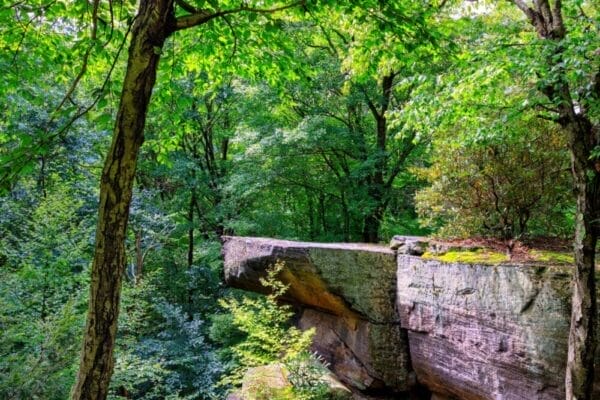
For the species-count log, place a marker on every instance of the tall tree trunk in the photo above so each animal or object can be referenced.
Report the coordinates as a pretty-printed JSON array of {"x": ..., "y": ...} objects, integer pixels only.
[
  {"x": 547, "y": 19},
  {"x": 154, "y": 22},
  {"x": 148, "y": 35},
  {"x": 579, "y": 378}
]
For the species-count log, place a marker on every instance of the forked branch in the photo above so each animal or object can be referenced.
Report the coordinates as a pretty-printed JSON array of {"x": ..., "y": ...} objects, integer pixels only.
[{"x": 199, "y": 17}]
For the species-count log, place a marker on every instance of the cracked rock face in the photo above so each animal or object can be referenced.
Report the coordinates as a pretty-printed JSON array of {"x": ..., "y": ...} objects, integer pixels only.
[
  {"x": 347, "y": 292},
  {"x": 469, "y": 332},
  {"x": 486, "y": 332}
]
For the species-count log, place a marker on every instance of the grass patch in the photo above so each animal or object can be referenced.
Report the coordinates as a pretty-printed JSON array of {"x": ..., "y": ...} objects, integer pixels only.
[
  {"x": 553, "y": 257},
  {"x": 479, "y": 256}
]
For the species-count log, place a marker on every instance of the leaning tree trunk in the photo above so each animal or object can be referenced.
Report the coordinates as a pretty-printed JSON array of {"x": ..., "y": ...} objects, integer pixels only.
[{"x": 148, "y": 35}]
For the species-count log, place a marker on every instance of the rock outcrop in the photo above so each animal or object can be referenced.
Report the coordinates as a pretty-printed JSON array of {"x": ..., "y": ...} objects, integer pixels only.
[
  {"x": 494, "y": 332},
  {"x": 347, "y": 292}
]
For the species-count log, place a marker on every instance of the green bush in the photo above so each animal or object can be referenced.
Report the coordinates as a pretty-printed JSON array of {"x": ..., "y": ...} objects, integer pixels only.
[
  {"x": 264, "y": 325},
  {"x": 256, "y": 331},
  {"x": 45, "y": 249},
  {"x": 163, "y": 351},
  {"x": 506, "y": 184}
]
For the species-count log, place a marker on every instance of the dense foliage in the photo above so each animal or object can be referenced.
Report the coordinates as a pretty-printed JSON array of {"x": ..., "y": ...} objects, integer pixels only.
[
  {"x": 508, "y": 185},
  {"x": 329, "y": 122}
]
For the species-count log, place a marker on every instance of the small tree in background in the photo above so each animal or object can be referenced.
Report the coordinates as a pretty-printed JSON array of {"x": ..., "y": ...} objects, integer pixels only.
[{"x": 508, "y": 184}]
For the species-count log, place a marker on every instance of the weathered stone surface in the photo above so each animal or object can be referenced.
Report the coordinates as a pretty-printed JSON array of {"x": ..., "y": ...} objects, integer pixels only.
[
  {"x": 486, "y": 332},
  {"x": 329, "y": 276},
  {"x": 353, "y": 288},
  {"x": 350, "y": 346},
  {"x": 493, "y": 332},
  {"x": 344, "y": 344},
  {"x": 413, "y": 245}
]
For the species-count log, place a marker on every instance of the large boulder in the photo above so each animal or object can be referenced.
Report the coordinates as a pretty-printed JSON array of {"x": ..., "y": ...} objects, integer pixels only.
[
  {"x": 347, "y": 291},
  {"x": 273, "y": 381}
]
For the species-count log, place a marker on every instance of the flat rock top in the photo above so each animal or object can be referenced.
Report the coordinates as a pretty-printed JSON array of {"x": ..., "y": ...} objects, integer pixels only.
[{"x": 376, "y": 248}]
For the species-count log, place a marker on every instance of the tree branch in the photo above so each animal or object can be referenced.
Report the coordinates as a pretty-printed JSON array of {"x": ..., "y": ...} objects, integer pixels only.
[
  {"x": 402, "y": 156},
  {"x": 202, "y": 16},
  {"x": 187, "y": 6},
  {"x": 86, "y": 57},
  {"x": 528, "y": 11},
  {"x": 370, "y": 104}
]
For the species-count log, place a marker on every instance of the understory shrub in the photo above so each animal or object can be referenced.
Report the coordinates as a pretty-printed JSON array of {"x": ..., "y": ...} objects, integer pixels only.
[{"x": 257, "y": 331}]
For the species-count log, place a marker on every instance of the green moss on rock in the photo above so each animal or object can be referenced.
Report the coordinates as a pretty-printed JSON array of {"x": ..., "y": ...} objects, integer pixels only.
[
  {"x": 553, "y": 257},
  {"x": 479, "y": 256}
]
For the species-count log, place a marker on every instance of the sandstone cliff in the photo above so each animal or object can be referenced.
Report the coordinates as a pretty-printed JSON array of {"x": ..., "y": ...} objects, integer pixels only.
[{"x": 385, "y": 320}]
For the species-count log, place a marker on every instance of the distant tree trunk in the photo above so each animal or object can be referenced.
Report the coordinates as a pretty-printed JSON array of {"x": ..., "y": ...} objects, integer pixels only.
[
  {"x": 583, "y": 137},
  {"x": 346, "y": 217},
  {"x": 190, "y": 253},
  {"x": 311, "y": 215},
  {"x": 377, "y": 184},
  {"x": 372, "y": 225},
  {"x": 139, "y": 257},
  {"x": 148, "y": 35},
  {"x": 322, "y": 215}
]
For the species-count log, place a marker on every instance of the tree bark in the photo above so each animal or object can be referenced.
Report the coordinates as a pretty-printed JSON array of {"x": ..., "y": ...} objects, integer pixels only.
[
  {"x": 149, "y": 32},
  {"x": 579, "y": 379},
  {"x": 583, "y": 137}
]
